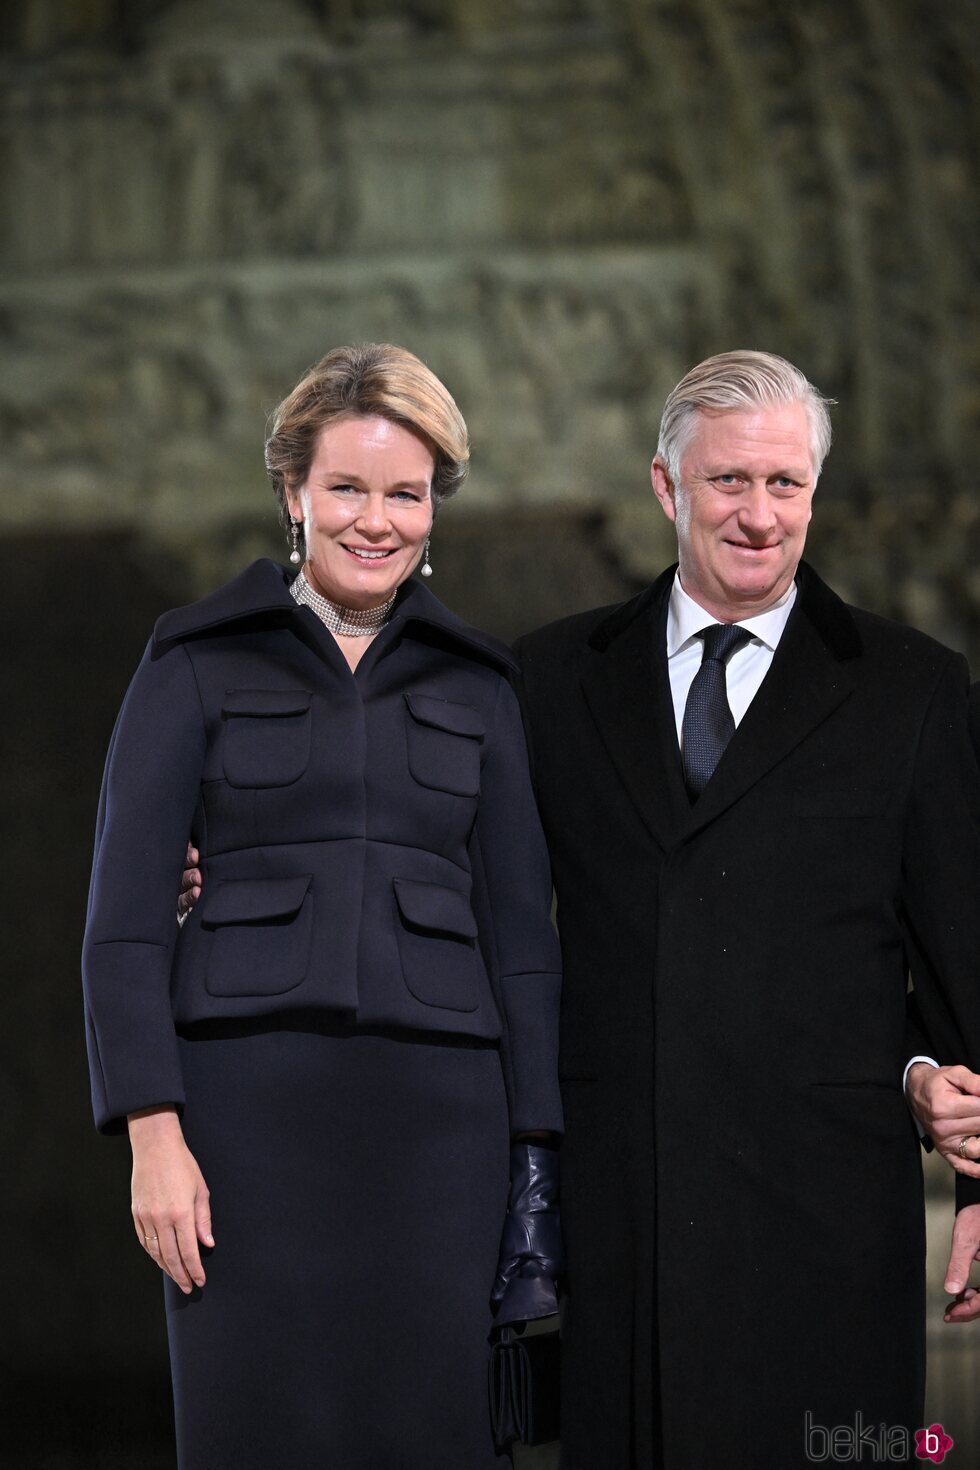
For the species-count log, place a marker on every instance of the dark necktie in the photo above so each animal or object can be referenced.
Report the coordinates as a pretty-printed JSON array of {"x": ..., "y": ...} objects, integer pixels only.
[{"x": 708, "y": 724}]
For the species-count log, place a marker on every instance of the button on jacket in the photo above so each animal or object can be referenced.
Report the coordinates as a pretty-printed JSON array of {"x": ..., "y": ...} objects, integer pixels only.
[{"x": 370, "y": 843}]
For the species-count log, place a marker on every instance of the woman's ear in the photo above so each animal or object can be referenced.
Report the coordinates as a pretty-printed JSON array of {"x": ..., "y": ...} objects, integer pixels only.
[{"x": 293, "y": 505}]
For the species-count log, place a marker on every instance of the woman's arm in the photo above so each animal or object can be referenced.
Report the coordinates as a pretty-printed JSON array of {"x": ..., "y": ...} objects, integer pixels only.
[
  {"x": 149, "y": 795},
  {"x": 512, "y": 866},
  {"x": 512, "y": 877}
]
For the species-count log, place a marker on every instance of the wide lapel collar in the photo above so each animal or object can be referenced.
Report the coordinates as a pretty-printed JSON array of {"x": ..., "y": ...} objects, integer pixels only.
[
  {"x": 628, "y": 693},
  {"x": 417, "y": 608},
  {"x": 261, "y": 588},
  {"x": 806, "y": 682}
]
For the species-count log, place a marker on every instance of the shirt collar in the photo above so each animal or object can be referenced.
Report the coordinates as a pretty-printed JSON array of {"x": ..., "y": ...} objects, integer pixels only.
[{"x": 686, "y": 618}]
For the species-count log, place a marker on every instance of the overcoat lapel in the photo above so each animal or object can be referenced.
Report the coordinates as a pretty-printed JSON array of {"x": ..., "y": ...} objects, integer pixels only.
[
  {"x": 806, "y": 682},
  {"x": 627, "y": 690},
  {"x": 628, "y": 694}
]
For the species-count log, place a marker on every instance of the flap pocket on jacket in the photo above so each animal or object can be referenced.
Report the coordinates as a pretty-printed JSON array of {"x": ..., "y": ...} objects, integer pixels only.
[
  {"x": 266, "y": 702},
  {"x": 446, "y": 714},
  {"x": 244, "y": 900},
  {"x": 261, "y": 933},
  {"x": 430, "y": 906},
  {"x": 440, "y": 958},
  {"x": 444, "y": 741},
  {"x": 266, "y": 736}
]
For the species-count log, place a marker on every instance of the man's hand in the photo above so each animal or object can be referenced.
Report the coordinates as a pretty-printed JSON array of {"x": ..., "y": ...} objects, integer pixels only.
[
  {"x": 190, "y": 883},
  {"x": 964, "y": 1250},
  {"x": 946, "y": 1102}
]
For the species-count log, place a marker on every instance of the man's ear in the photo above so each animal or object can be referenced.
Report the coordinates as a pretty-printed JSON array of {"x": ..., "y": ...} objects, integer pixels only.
[{"x": 663, "y": 487}]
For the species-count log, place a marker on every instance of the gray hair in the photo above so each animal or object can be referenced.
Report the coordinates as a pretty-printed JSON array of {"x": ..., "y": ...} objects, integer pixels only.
[{"x": 740, "y": 380}]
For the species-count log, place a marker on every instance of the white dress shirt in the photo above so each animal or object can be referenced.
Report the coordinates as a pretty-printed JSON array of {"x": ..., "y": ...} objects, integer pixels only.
[
  {"x": 744, "y": 672},
  {"x": 746, "y": 668}
]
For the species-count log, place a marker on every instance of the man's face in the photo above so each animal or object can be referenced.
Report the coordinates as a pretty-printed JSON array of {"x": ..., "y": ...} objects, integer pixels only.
[{"x": 741, "y": 507}]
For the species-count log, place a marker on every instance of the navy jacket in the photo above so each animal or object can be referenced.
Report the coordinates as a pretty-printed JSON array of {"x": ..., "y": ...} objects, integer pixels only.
[{"x": 371, "y": 845}]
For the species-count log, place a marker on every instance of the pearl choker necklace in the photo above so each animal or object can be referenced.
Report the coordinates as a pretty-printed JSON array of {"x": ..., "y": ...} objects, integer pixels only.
[{"x": 348, "y": 621}]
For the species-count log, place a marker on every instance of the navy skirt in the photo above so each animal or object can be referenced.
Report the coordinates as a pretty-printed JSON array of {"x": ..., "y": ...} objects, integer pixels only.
[{"x": 358, "y": 1187}]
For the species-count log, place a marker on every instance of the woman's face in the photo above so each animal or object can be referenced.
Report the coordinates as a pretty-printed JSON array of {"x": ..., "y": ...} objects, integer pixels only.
[{"x": 366, "y": 508}]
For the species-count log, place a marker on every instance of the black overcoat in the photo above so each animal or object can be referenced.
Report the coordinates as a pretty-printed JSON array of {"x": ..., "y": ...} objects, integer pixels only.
[
  {"x": 742, "y": 1193},
  {"x": 370, "y": 843}
]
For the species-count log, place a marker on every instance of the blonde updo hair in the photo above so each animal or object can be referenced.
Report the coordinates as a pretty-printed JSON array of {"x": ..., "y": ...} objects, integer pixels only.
[{"x": 378, "y": 378}]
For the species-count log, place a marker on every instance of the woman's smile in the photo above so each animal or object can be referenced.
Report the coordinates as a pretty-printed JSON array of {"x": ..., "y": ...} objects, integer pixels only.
[{"x": 366, "y": 508}]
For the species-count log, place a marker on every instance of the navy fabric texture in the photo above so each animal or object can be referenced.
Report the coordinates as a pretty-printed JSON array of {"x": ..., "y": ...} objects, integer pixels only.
[
  {"x": 371, "y": 846},
  {"x": 359, "y": 1012},
  {"x": 358, "y": 1184}
]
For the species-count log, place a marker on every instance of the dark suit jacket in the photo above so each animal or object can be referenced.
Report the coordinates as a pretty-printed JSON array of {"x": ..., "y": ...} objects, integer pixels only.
[
  {"x": 741, "y": 1177},
  {"x": 371, "y": 844}
]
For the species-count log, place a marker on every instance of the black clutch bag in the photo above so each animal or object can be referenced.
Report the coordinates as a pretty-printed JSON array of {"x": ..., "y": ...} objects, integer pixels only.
[{"x": 524, "y": 1387}]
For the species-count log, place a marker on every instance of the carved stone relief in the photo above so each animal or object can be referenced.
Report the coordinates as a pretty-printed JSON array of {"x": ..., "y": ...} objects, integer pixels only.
[{"x": 561, "y": 205}]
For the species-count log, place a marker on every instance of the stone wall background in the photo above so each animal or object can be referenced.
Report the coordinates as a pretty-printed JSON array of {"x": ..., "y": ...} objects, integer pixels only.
[{"x": 561, "y": 205}]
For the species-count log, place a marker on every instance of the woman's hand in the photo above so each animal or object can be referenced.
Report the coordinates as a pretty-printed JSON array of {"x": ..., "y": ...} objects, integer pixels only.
[
  {"x": 171, "y": 1204},
  {"x": 531, "y": 1257}
]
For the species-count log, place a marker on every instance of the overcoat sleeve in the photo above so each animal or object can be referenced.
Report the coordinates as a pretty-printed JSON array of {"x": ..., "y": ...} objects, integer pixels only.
[
  {"x": 516, "y": 875},
  {"x": 941, "y": 883},
  {"x": 149, "y": 794}
]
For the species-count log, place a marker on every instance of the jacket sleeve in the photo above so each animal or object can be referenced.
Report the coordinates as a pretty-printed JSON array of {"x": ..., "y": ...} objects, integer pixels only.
[
  {"x": 941, "y": 884},
  {"x": 516, "y": 876},
  {"x": 149, "y": 794}
]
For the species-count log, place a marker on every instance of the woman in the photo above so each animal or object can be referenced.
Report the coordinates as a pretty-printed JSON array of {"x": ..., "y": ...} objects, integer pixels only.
[{"x": 360, "y": 1011}]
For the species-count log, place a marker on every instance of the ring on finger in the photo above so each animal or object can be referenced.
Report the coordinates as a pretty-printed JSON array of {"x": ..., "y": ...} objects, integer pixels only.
[
  {"x": 150, "y": 1239},
  {"x": 961, "y": 1148}
]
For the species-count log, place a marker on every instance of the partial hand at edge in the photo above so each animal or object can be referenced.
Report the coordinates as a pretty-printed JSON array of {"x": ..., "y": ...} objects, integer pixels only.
[
  {"x": 946, "y": 1103},
  {"x": 171, "y": 1203},
  {"x": 964, "y": 1250},
  {"x": 191, "y": 882}
]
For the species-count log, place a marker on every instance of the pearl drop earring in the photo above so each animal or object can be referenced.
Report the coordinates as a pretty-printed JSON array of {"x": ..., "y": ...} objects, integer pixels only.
[
  {"x": 426, "y": 570},
  {"x": 294, "y": 555}
]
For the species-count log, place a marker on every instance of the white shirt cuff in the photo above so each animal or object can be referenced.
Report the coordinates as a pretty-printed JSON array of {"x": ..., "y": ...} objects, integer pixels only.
[
  {"x": 905, "y": 1077},
  {"x": 911, "y": 1063}
]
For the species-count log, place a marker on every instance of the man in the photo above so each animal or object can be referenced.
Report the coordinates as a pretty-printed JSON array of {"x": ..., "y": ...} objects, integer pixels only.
[{"x": 754, "y": 837}]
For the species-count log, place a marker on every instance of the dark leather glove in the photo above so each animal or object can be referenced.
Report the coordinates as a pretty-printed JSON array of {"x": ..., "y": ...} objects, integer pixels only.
[{"x": 531, "y": 1258}]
